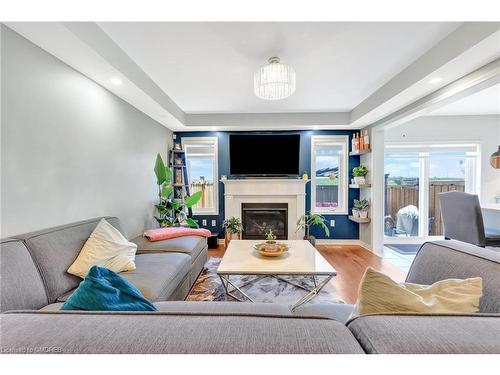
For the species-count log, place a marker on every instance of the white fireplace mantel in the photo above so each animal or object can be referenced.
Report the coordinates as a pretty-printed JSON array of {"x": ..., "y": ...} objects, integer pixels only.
[{"x": 267, "y": 190}]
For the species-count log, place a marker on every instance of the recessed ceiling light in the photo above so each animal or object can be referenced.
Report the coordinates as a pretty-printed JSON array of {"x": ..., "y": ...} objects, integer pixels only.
[
  {"x": 436, "y": 80},
  {"x": 116, "y": 81},
  {"x": 315, "y": 127},
  {"x": 214, "y": 128}
]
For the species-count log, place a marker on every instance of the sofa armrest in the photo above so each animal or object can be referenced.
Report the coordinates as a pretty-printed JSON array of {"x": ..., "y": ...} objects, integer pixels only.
[{"x": 440, "y": 260}]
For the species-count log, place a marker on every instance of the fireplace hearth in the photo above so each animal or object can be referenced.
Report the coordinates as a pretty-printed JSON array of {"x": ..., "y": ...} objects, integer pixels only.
[{"x": 259, "y": 218}]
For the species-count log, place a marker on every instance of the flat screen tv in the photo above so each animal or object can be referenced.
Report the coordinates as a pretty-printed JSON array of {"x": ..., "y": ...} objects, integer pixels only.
[{"x": 263, "y": 155}]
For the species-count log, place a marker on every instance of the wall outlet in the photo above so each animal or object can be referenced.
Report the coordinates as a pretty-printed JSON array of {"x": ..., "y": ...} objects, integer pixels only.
[
  {"x": 204, "y": 222},
  {"x": 214, "y": 223},
  {"x": 332, "y": 223}
]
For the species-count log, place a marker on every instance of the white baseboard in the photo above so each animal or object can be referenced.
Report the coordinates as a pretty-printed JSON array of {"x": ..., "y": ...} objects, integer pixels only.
[
  {"x": 344, "y": 242},
  {"x": 220, "y": 241}
]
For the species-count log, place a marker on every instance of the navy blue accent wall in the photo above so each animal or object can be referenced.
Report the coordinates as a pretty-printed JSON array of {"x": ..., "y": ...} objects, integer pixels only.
[{"x": 344, "y": 228}]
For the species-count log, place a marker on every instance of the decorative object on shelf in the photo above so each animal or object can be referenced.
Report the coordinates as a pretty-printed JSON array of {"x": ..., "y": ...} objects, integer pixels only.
[
  {"x": 360, "y": 208},
  {"x": 495, "y": 159},
  {"x": 270, "y": 241},
  {"x": 280, "y": 248},
  {"x": 305, "y": 176},
  {"x": 172, "y": 207},
  {"x": 223, "y": 177},
  {"x": 359, "y": 174},
  {"x": 178, "y": 161},
  {"x": 360, "y": 142},
  {"x": 274, "y": 81},
  {"x": 177, "y": 146},
  {"x": 232, "y": 229},
  {"x": 309, "y": 220}
]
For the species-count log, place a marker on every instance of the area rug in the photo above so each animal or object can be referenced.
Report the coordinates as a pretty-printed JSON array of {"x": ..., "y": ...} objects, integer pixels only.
[{"x": 208, "y": 287}]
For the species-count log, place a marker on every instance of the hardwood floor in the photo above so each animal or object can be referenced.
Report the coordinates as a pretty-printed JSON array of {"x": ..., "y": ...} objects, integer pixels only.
[{"x": 350, "y": 261}]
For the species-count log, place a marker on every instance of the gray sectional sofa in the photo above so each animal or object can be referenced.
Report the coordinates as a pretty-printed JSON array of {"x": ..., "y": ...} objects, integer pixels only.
[{"x": 33, "y": 280}]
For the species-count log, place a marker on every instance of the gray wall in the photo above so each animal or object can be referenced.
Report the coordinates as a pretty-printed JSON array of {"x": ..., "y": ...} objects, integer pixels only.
[{"x": 70, "y": 150}]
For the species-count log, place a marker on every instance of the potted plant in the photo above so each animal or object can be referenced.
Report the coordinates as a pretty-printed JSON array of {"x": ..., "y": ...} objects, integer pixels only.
[
  {"x": 359, "y": 174},
  {"x": 270, "y": 241},
  {"x": 232, "y": 229},
  {"x": 309, "y": 220},
  {"x": 360, "y": 208},
  {"x": 172, "y": 212}
]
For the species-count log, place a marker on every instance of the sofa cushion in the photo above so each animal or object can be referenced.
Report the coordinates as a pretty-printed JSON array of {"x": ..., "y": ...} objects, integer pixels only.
[
  {"x": 20, "y": 282},
  {"x": 55, "y": 249},
  {"x": 159, "y": 332},
  {"x": 106, "y": 247},
  {"x": 158, "y": 275},
  {"x": 451, "y": 259},
  {"x": 379, "y": 294},
  {"x": 192, "y": 245},
  {"x": 407, "y": 334},
  {"x": 335, "y": 311},
  {"x": 104, "y": 290}
]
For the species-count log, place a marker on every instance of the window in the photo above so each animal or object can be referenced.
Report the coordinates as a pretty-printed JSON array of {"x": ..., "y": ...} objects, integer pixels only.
[
  {"x": 201, "y": 163},
  {"x": 329, "y": 173},
  {"x": 415, "y": 175}
]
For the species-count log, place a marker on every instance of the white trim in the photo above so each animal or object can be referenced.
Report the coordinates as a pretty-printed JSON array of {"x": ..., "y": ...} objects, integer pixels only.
[
  {"x": 364, "y": 245},
  {"x": 343, "y": 142},
  {"x": 215, "y": 142}
]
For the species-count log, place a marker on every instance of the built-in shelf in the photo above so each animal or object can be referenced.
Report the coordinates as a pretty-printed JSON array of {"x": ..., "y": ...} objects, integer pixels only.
[
  {"x": 359, "y": 220},
  {"x": 178, "y": 166},
  {"x": 359, "y": 152},
  {"x": 360, "y": 186}
]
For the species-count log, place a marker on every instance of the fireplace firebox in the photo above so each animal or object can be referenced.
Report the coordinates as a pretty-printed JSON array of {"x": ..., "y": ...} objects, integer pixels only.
[{"x": 259, "y": 218}]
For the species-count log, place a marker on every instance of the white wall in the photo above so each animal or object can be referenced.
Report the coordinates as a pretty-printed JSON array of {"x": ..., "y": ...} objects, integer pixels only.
[
  {"x": 483, "y": 129},
  {"x": 70, "y": 150}
]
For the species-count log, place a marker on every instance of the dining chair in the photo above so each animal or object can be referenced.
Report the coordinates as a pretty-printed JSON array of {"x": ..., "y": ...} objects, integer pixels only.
[{"x": 463, "y": 219}]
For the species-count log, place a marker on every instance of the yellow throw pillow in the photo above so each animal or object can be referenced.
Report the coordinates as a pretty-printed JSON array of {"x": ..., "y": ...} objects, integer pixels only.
[
  {"x": 106, "y": 247},
  {"x": 379, "y": 294}
]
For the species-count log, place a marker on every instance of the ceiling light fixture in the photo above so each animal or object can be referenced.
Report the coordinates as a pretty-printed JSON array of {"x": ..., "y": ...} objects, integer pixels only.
[
  {"x": 274, "y": 81},
  {"x": 435, "y": 80},
  {"x": 116, "y": 81}
]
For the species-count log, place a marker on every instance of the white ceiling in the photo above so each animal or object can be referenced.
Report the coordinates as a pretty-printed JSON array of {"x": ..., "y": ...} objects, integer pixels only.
[
  {"x": 199, "y": 76},
  {"x": 208, "y": 67},
  {"x": 485, "y": 102}
]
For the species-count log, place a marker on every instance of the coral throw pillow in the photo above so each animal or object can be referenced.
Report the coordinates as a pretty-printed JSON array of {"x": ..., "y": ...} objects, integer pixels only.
[
  {"x": 106, "y": 247},
  {"x": 379, "y": 294}
]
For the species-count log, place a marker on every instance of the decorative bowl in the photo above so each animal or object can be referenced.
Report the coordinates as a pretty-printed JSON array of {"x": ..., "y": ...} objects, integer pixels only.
[{"x": 260, "y": 247}]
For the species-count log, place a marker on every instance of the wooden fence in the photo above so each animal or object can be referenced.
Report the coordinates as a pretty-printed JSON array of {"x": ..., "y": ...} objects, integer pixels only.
[
  {"x": 207, "y": 197},
  {"x": 398, "y": 197}
]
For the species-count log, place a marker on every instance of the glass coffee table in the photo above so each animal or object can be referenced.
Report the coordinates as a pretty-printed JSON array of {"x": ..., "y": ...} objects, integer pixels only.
[{"x": 302, "y": 259}]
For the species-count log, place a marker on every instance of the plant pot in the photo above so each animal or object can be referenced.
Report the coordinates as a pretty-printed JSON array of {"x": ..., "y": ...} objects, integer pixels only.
[
  {"x": 359, "y": 180},
  {"x": 311, "y": 239},
  {"x": 230, "y": 236},
  {"x": 271, "y": 246},
  {"x": 363, "y": 214},
  {"x": 355, "y": 213}
]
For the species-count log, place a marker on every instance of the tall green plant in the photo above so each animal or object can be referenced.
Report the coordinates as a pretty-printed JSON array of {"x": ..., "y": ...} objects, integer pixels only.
[
  {"x": 170, "y": 210},
  {"x": 309, "y": 220}
]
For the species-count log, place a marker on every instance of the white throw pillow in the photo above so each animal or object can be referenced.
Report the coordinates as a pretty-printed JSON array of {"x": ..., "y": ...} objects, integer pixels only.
[
  {"x": 106, "y": 247},
  {"x": 379, "y": 294}
]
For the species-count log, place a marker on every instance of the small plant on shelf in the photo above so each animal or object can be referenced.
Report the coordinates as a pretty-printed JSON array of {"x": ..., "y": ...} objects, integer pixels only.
[
  {"x": 360, "y": 208},
  {"x": 232, "y": 229},
  {"x": 359, "y": 174},
  {"x": 309, "y": 220},
  {"x": 270, "y": 241}
]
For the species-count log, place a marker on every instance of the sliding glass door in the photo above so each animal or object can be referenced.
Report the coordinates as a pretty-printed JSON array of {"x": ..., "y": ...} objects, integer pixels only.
[
  {"x": 415, "y": 175},
  {"x": 402, "y": 175}
]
